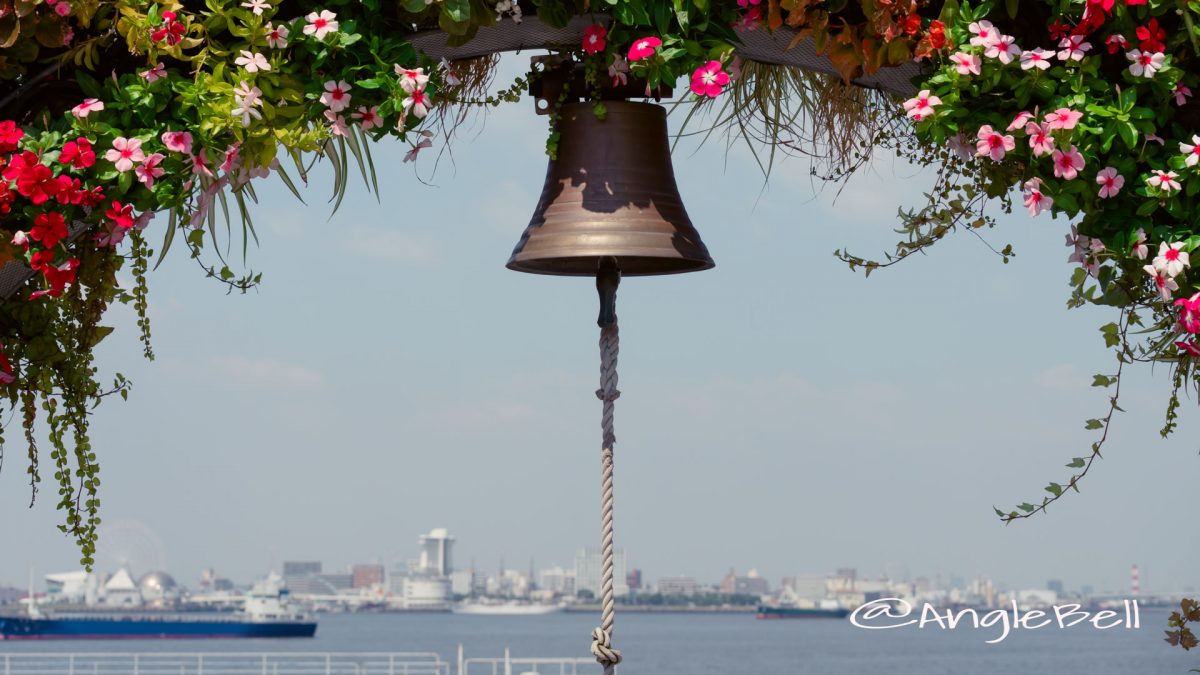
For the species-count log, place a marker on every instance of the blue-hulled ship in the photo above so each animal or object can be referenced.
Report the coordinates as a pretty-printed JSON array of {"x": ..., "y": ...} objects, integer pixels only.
[{"x": 268, "y": 613}]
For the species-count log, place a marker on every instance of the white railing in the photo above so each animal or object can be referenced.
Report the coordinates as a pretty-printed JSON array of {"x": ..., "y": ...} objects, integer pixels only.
[
  {"x": 526, "y": 666},
  {"x": 228, "y": 663}
]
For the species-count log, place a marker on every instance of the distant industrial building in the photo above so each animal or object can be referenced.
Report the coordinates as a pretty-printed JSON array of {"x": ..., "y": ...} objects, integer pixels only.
[
  {"x": 366, "y": 576},
  {"x": 751, "y": 584},
  {"x": 677, "y": 586},
  {"x": 558, "y": 581},
  {"x": 634, "y": 579},
  {"x": 588, "y": 568}
]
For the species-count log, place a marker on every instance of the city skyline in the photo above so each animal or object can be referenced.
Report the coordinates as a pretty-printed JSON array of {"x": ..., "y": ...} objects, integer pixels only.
[{"x": 778, "y": 411}]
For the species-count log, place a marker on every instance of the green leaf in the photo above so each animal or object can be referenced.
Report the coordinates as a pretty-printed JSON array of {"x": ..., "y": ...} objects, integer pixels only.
[
  {"x": 1077, "y": 463},
  {"x": 1094, "y": 424},
  {"x": 459, "y": 11}
]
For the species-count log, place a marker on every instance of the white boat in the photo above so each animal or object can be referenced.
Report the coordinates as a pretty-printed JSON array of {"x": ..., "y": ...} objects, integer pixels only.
[{"x": 511, "y": 608}]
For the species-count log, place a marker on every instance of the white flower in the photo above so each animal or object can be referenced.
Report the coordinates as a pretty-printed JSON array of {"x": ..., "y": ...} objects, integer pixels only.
[
  {"x": 1163, "y": 180},
  {"x": 1192, "y": 151},
  {"x": 1145, "y": 64},
  {"x": 1140, "y": 250},
  {"x": 1073, "y": 48},
  {"x": 1004, "y": 48},
  {"x": 983, "y": 33},
  {"x": 1171, "y": 259},
  {"x": 336, "y": 95},
  {"x": 1037, "y": 58},
  {"x": 252, "y": 62},
  {"x": 966, "y": 64},
  {"x": 246, "y": 98},
  {"x": 1164, "y": 283},
  {"x": 411, "y": 78},
  {"x": 256, "y": 6},
  {"x": 320, "y": 25},
  {"x": 276, "y": 36},
  {"x": 417, "y": 102},
  {"x": 448, "y": 74}
]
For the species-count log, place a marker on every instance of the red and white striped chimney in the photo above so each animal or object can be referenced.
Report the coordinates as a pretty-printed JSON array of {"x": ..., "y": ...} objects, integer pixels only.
[{"x": 1135, "y": 584}]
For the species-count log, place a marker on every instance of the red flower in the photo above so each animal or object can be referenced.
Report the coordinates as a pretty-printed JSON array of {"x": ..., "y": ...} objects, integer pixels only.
[
  {"x": 58, "y": 278},
  {"x": 1151, "y": 37},
  {"x": 78, "y": 153},
  {"x": 7, "y": 197},
  {"x": 1059, "y": 30},
  {"x": 643, "y": 48},
  {"x": 6, "y": 369},
  {"x": 1117, "y": 43},
  {"x": 91, "y": 198},
  {"x": 10, "y": 134},
  {"x": 171, "y": 31},
  {"x": 121, "y": 215},
  {"x": 41, "y": 260},
  {"x": 49, "y": 228},
  {"x": 911, "y": 24},
  {"x": 593, "y": 39},
  {"x": 34, "y": 179},
  {"x": 937, "y": 34}
]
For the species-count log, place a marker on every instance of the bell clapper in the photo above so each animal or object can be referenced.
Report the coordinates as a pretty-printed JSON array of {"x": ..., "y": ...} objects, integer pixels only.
[{"x": 608, "y": 277}]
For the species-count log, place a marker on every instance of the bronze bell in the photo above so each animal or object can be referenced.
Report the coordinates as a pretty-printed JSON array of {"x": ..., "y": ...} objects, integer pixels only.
[{"x": 611, "y": 193}]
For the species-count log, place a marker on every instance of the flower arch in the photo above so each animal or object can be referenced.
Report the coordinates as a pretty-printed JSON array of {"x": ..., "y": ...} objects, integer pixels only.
[{"x": 123, "y": 119}]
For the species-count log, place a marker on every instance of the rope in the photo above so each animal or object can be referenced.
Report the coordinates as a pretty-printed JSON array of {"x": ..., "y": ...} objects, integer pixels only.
[{"x": 602, "y": 648}]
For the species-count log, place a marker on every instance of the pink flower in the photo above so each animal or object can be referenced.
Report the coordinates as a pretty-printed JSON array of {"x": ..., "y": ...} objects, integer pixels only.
[
  {"x": 253, "y": 61},
  {"x": 1171, "y": 259},
  {"x": 921, "y": 106},
  {"x": 1035, "y": 201},
  {"x": 320, "y": 25},
  {"x": 1145, "y": 64},
  {"x": 89, "y": 106},
  {"x": 232, "y": 158},
  {"x": 276, "y": 36},
  {"x": 618, "y": 70},
  {"x": 20, "y": 239},
  {"x": 1067, "y": 164},
  {"x": 643, "y": 48},
  {"x": 966, "y": 64},
  {"x": 1063, "y": 118},
  {"x": 200, "y": 165},
  {"x": 125, "y": 152},
  {"x": 1040, "y": 139},
  {"x": 368, "y": 117},
  {"x": 1073, "y": 48},
  {"x": 337, "y": 123},
  {"x": 1038, "y": 58},
  {"x": 1110, "y": 182},
  {"x": 336, "y": 96},
  {"x": 418, "y": 103},
  {"x": 1182, "y": 94},
  {"x": 178, "y": 141},
  {"x": 1153, "y": 138},
  {"x": 1189, "y": 313},
  {"x": 1019, "y": 121},
  {"x": 961, "y": 147},
  {"x": 983, "y": 33},
  {"x": 1163, "y": 180},
  {"x": 410, "y": 79},
  {"x": 1163, "y": 284},
  {"x": 1192, "y": 151},
  {"x": 157, "y": 72},
  {"x": 1140, "y": 250},
  {"x": 1004, "y": 48},
  {"x": 411, "y": 155},
  {"x": 593, "y": 39},
  {"x": 149, "y": 169},
  {"x": 709, "y": 80},
  {"x": 992, "y": 144}
]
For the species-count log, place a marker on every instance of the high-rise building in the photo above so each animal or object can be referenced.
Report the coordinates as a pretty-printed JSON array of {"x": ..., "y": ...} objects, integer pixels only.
[
  {"x": 365, "y": 576},
  {"x": 435, "y": 553},
  {"x": 558, "y": 581},
  {"x": 589, "y": 567}
]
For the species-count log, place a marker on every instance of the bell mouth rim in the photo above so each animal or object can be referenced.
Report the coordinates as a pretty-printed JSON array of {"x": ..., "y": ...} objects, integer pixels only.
[{"x": 588, "y": 265}]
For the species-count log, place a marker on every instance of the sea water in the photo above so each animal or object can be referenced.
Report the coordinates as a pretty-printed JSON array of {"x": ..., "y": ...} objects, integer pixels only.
[{"x": 718, "y": 644}]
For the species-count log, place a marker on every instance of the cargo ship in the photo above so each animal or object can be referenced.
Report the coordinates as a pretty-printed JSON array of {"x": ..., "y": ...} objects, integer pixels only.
[
  {"x": 268, "y": 613},
  {"x": 781, "y": 612}
]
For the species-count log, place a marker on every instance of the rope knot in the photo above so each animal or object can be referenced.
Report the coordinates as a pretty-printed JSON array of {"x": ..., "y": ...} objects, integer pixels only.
[
  {"x": 608, "y": 396},
  {"x": 603, "y": 650}
]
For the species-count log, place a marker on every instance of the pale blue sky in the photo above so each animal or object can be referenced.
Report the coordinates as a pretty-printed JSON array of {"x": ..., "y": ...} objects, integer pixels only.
[{"x": 778, "y": 412}]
